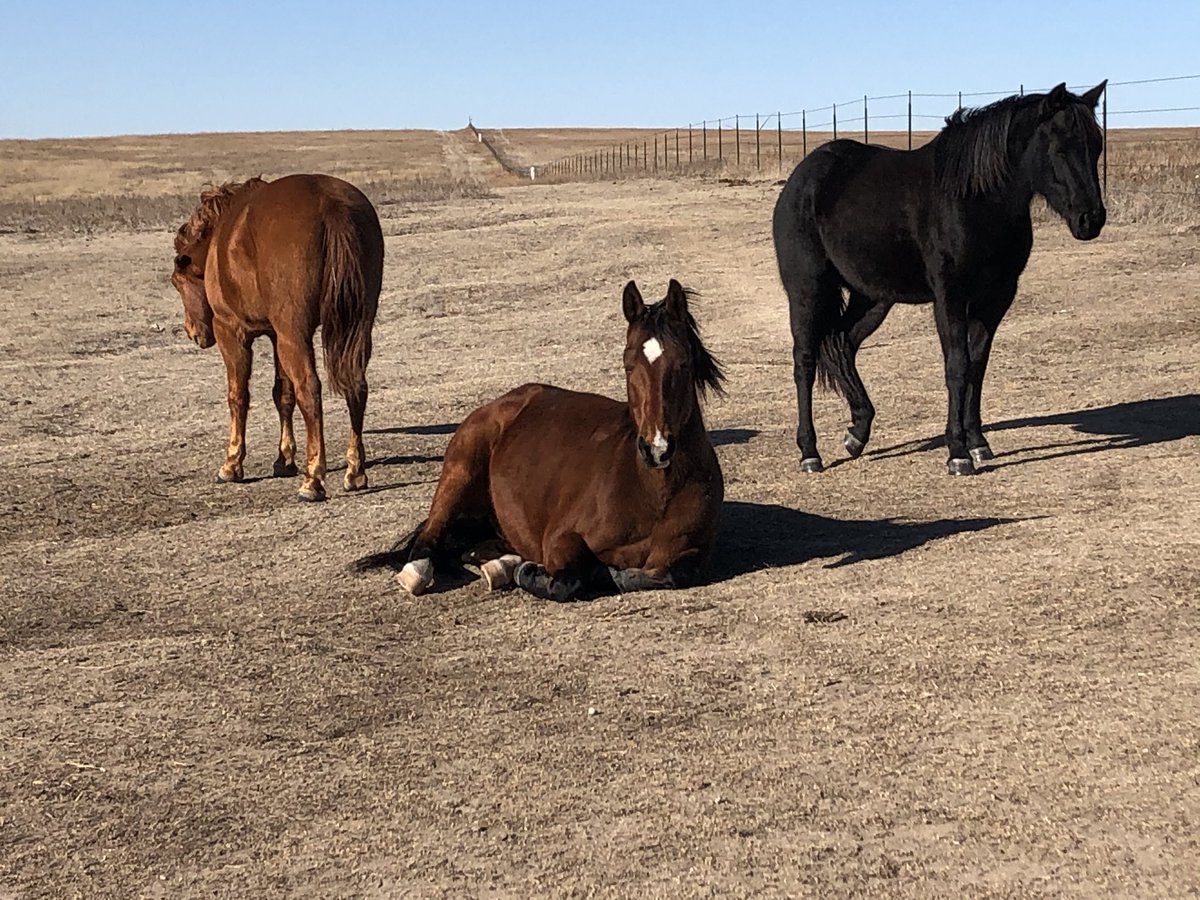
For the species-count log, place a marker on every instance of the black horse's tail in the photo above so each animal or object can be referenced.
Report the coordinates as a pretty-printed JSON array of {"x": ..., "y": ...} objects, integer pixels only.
[
  {"x": 394, "y": 558},
  {"x": 814, "y": 286},
  {"x": 835, "y": 359}
]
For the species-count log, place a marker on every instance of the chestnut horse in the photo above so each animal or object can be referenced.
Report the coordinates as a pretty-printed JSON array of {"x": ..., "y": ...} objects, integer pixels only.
[
  {"x": 579, "y": 494},
  {"x": 279, "y": 258}
]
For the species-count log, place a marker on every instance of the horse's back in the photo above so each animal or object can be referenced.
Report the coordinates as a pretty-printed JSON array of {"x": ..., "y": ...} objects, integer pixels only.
[
  {"x": 540, "y": 420},
  {"x": 272, "y": 248},
  {"x": 861, "y": 210},
  {"x": 795, "y": 226}
]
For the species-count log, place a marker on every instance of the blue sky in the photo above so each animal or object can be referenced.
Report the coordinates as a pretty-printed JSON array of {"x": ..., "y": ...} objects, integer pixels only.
[{"x": 75, "y": 69}]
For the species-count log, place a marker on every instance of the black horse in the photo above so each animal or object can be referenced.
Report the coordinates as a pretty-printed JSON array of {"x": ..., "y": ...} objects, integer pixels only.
[{"x": 858, "y": 228}]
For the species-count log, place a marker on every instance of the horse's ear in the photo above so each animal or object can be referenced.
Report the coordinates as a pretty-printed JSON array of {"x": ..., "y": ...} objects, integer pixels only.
[
  {"x": 632, "y": 302},
  {"x": 1055, "y": 100},
  {"x": 677, "y": 304},
  {"x": 1092, "y": 97}
]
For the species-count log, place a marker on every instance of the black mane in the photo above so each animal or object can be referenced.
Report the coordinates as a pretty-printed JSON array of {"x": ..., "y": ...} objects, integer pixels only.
[
  {"x": 974, "y": 152},
  {"x": 707, "y": 373}
]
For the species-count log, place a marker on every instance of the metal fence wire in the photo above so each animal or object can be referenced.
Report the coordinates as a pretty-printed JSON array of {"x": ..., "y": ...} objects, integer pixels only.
[{"x": 1140, "y": 161}]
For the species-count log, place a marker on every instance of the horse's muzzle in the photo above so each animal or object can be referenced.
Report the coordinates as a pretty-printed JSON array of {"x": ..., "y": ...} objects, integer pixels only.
[
  {"x": 658, "y": 454},
  {"x": 1087, "y": 225},
  {"x": 202, "y": 337}
]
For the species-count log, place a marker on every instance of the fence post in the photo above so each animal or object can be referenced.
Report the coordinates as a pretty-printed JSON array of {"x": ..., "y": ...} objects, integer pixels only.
[
  {"x": 757, "y": 143},
  {"x": 677, "y": 148},
  {"x": 645, "y": 154},
  {"x": 720, "y": 143},
  {"x": 804, "y": 131},
  {"x": 866, "y": 130},
  {"x": 656, "y": 153},
  {"x": 960, "y": 99},
  {"x": 779, "y": 132},
  {"x": 1104, "y": 127},
  {"x": 704, "y": 139},
  {"x": 737, "y": 137},
  {"x": 689, "y": 144},
  {"x": 835, "y": 121},
  {"x": 910, "y": 120},
  {"x": 1022, "y": 90}
]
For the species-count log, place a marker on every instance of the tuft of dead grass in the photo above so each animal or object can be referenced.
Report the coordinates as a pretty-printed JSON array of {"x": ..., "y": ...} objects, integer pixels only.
[
  {"x": 108, "y": 213},
  {"x": 424, "y": 189},
  {"x": 97, "y": 214}
]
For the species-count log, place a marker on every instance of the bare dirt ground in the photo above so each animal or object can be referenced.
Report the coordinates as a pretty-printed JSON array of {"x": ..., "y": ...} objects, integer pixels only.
[{"x": 893, "y": 682}]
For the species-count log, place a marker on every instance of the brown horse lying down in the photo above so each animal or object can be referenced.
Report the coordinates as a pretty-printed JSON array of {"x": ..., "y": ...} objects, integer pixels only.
[
  {"x": 278, "y": 259},
  {"x": 581, "y": 495}
]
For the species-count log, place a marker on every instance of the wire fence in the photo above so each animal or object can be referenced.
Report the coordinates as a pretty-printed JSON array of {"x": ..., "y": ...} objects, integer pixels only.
[{"x": 1138, "y": 161}]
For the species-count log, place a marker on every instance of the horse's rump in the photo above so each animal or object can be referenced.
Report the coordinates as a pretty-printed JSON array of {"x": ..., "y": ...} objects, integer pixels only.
[{"x": 312, "y": 238}]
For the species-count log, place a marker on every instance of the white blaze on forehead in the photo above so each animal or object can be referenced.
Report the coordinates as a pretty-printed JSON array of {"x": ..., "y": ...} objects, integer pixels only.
[
  {"x": 659, "y": 443},
  {"x": 653, "y": 349}
]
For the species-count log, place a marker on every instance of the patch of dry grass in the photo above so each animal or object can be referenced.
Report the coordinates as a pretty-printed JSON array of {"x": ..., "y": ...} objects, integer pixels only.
[
  {"x": 1154, "y": 175},
  {"x": 95, "y": 214},
  {"x": 104, "y": 213}
]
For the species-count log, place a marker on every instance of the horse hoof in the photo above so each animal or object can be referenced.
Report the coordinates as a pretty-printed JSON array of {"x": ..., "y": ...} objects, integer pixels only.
[
  {"x": 229, "y": 475},
  {"x": 854, "y": 446},
  {"x": 960, "y": 467},
  {"x": 982, "y": 454},
  {"x": 311, "y": 493},
  {"x": 416, "y": 576},
  {"x": 811, "y": 464},
  {"x": 284, "y": 470},
  {"x": 498, "y": 573},
  {"x": 355, "y": 482}
]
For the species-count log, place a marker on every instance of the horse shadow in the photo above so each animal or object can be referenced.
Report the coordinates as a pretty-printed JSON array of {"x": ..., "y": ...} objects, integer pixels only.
[
  {"x": 755, "y": 536},
  {"x": 442, "y": 428},
  {"x": 1121, "y": 426},
  {"x": 722, "y": 437}
]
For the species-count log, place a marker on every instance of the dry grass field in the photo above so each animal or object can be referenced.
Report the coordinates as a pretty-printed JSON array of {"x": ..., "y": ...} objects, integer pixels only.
[{"x": 892, "y": 683}]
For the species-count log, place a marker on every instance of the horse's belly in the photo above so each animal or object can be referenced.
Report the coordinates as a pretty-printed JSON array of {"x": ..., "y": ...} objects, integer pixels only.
[{"x": 885, "y": 271}]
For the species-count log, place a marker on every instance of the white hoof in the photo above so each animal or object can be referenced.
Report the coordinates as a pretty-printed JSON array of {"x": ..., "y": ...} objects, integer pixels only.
[
  {"x": 498, "y": 573},
  {"x": 416, "y": 576}
]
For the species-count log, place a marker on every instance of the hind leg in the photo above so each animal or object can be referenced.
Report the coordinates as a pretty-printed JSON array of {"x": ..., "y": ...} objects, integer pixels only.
[
  {"x": 462, "y": 491},
  {"x": 808, "y": 300},
  {"x": 356, "y": 454},
  {"x": 300, "y": 365},
  {"x": 284, "y": 395},
  {"x": 862, "y": 317}
]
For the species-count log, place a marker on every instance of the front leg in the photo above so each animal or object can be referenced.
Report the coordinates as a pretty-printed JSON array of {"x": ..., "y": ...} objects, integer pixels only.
[
  {"x": 986, "y": 315},
  {"x": 662, "y": 572},
  {"x": 952, "y": 330},
  {"x": 626, "y": 581},
  {"x": 284, "y": 395},
  {"x": 235, "y": 348},
  {"x": 569, "y": 566}
]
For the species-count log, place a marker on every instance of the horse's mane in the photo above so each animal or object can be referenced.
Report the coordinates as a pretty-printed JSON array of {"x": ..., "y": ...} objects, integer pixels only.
[
  {"x": 973, "y": 153},
  {"x": 707, "y": 373},
  {"x": 213, "y": 202}
]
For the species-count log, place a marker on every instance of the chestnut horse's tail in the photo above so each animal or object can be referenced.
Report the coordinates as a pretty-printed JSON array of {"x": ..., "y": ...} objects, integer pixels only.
[
  {"x": 350, "y": 293},
  {"x": 393, "y": 558}
]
